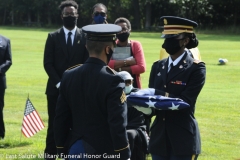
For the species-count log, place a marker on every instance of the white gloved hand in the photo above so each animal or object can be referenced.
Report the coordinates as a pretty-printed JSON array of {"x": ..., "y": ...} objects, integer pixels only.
[
  {"x": 141, "y": 92},
  {"x": 144, "y": 110}
]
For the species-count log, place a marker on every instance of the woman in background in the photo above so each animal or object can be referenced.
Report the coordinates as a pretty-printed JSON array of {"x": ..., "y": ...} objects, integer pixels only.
[{"x": 135, "y": 64}]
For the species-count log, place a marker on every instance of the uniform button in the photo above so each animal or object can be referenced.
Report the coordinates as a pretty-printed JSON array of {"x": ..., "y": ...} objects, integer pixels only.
[
  {"x": 165, "y": 86},
  {"x": 163, "y": 119}
]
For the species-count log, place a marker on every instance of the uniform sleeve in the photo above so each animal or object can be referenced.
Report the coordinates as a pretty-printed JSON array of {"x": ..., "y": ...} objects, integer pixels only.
[
  {"x": 138, "y": 54},
  {"x": 61, "y": 121},
  {"x": 7, "y": 62},
  {"x": 48, "y": 60},
  {"x": 117, "y": 118}
]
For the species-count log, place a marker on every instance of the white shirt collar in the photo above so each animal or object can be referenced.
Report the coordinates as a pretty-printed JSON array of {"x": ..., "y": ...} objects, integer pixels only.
[
  {"x": 73, "y": 31},
  {"x": 176, "y": 61}
]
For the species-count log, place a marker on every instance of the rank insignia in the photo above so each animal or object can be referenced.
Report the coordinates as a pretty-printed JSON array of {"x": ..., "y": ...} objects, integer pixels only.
[
  {"x": 165, "y": 21},
  {"x": 123, "y": 97}
]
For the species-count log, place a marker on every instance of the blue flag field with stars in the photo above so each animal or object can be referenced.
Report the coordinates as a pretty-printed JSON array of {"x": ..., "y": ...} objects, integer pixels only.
[{"x": 157, "y": 102}]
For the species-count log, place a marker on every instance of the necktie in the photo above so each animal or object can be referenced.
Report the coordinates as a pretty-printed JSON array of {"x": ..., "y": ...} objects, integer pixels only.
[
  {"x": 171, "y": 67},
  {"x": 69, "y": 42}
]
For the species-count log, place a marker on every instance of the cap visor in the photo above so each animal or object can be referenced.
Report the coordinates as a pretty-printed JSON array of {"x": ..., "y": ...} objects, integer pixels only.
[{"x": 169, "y": 35}]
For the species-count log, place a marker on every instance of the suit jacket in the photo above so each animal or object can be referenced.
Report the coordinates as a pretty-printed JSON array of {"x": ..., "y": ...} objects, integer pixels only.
[
  {"x": 92, "y": 103},
  {"x": 177, "y": 128},
  {"x": 57, "y": 59},
  {"x": 5, "y": 60}
]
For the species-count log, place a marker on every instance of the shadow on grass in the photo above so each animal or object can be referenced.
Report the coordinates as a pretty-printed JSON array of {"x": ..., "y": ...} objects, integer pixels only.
[{"x": 8, "y": 145}]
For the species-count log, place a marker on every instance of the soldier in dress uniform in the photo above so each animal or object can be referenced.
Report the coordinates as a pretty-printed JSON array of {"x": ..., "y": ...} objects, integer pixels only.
[
  {"x": 92, "y": 102},
  {"x": 174, "y": 133}
]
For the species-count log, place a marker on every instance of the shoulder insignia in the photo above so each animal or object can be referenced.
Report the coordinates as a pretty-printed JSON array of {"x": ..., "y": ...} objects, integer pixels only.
[
  {"x": 74, "y": 66},
  {"x": 123, "y": 97},
  {"x": 113, "y": 71}
]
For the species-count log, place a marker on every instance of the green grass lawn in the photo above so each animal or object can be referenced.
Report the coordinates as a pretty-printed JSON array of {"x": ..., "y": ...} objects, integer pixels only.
[{"x": 217, "y": 110}]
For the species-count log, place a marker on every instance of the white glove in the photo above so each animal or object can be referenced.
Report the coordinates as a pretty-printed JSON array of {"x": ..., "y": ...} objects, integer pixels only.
[
  {"x": 141, "y": 92},
  {"x": 144, "y": 110}
]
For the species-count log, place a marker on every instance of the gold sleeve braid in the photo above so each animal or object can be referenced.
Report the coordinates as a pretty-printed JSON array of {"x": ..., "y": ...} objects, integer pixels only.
[{"x": 121, "y": 148}]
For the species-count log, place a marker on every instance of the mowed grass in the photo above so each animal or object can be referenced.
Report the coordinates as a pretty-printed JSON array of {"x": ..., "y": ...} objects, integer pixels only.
[{"x": 217, "y": 110}]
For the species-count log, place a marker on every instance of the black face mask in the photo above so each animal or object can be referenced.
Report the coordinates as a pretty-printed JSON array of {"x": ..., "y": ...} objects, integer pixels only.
[
  {"x": 109, "y": 55},
  {"x": 171, "y": 45},
  {"x": 123, "y": 36},
  {"x": 69, "y": 22}
]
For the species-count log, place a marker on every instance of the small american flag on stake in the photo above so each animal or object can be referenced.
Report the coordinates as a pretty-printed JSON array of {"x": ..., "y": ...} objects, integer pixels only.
[{"x": 32, "y": 123}]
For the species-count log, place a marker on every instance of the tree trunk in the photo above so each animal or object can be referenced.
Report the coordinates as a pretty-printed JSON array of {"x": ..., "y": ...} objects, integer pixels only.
[
  {"x": 49, "y": 19},
  {"x": 12, "y": 17},
  {"x": 38, "y": 19},
  {"x": 4, "y": 16},
  {"x": 29, "y": 17},
  {"x": 137, "y": 15},
  {"x": 148, "y": 15}
]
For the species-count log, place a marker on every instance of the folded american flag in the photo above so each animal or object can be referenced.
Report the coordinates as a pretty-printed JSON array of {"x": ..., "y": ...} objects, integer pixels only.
[{"x": 157, "y": 102}]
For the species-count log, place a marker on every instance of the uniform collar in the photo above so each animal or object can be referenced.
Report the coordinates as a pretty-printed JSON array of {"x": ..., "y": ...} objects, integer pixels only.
[{"x": 176, "y": 61}]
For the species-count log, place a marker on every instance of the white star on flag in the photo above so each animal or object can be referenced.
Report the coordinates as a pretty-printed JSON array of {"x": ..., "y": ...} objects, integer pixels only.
[
  {"x": 150, "y": 103},
  {"x": 174, "y": 107}
]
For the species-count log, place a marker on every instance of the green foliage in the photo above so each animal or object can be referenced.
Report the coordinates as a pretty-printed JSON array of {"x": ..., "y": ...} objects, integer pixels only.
[
  {"x": 208, "y": 13},
  {"x": 217, "y": 108}
]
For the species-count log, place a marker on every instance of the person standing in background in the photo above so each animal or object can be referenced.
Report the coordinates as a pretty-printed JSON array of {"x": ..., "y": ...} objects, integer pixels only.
[
  {"x": 99, "y": 14},
  {"x": 64, "y": 48},
  {"x": 135, "y": 64},
  {"x": 5, "y": 63},
  {"x": 93, "y": 101}
]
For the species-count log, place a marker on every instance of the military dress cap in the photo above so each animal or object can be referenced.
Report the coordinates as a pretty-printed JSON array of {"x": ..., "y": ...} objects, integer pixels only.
[
  {"x": 101, "y": 32},
  {"x": 173, "y": 26}
]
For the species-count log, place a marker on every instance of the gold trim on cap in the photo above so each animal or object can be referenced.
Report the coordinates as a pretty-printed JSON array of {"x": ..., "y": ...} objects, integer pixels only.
[{"x": 177, "y": 29}]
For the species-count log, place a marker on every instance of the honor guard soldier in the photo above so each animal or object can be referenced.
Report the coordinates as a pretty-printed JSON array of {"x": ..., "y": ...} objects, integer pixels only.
[
  {"x": 91, "y": 109},
  {"x": 175, "y": 133}
]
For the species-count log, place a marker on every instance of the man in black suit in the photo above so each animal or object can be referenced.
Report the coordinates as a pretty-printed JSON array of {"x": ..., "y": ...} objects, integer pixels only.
[
  {"x": 174, "y": 133},
  {"x": 5, "y": 63},
  {"x": 93, "y": 102},
  {"x": 64, "y": 48}
]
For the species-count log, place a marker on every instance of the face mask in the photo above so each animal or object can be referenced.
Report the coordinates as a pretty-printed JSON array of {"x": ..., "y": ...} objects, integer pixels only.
[
  {"x": 99, "y": 19},
  {"x": 171, "y": 45},
  {"x": 123, "y": 36},
  {"x": 69, "y": 22},
  {"x": 128, "y": 89},
  {"x": 109, "y": 55}
]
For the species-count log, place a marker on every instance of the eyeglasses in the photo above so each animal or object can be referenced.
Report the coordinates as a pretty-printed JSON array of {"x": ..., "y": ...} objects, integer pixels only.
[
  {"x": 69, "y": 14},
  {"x": 128, "y": 82},
  {"x": 101, "y": 13}
]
